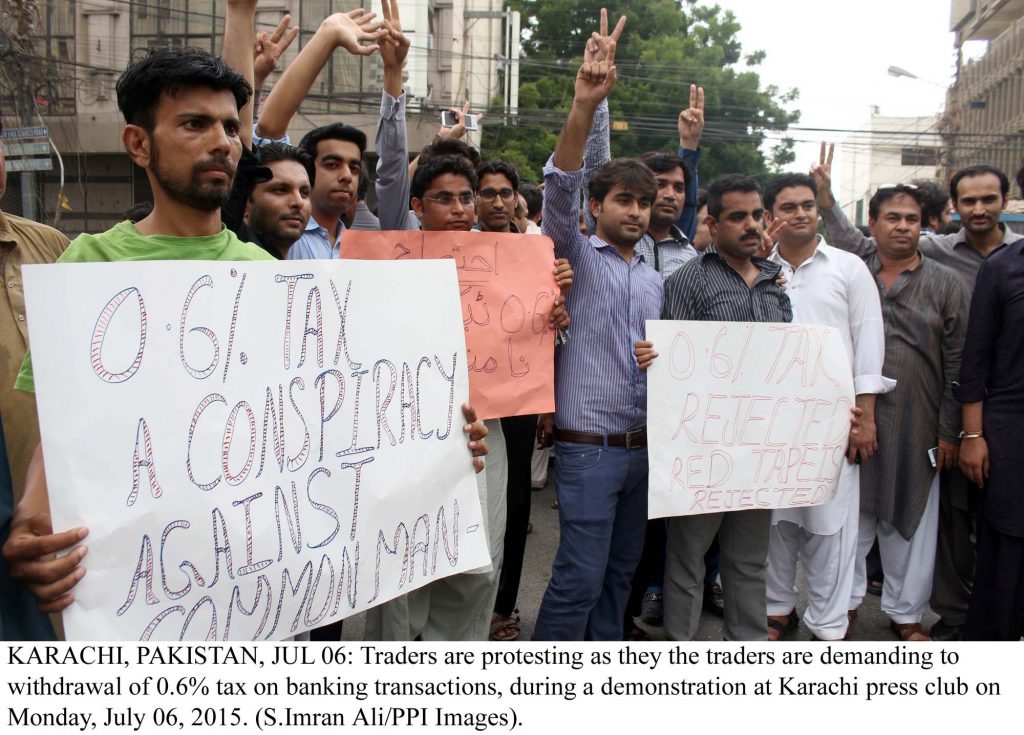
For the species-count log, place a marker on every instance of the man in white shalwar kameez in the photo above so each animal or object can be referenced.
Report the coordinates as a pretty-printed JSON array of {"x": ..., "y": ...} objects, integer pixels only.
[{"x": 829, "y": 287}]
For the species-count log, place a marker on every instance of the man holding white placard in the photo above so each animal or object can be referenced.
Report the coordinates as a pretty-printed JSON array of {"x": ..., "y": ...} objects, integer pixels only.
[
  {"x": 182, "y": 112},
  {"x": 724, "y": 283},
  {"x": 834, "y": 288}
]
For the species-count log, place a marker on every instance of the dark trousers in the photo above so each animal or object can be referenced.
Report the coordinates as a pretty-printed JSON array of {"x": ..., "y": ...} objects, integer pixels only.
[
  {"x": 520, "y": 436},
  {"x": 996, "y": 611},
  {"x": 650, "y": 572},
  {"x": 327, "y": 633},
  {"x": 955, "y": 553}
]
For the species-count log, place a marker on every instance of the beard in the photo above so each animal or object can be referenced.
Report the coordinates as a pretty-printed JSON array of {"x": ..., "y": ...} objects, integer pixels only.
[
  {"x": 267, "y": 226},
  {"x": 194, "y": 193}
]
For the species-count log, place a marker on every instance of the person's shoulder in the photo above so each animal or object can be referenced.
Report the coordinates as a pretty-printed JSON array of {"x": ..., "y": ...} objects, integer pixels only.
[
  {"x": 240, "y": 250},
  {"x": 688, "y": 272},
  {"x": 40, "y": 233},
  {"x": 934, "y": 242},
  {"x": 943, "y": 277},
  {"x": 848, "y": 264},
  {"x": 94, "y": 247},
  {"x": 1014, "y": 249}
]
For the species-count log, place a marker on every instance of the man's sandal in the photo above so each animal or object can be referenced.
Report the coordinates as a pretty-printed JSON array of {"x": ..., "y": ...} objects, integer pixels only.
[
  {"x": 909, "y": 632},
  {"x": 780, "y": 625},
  {"x": 504, "y": 628}
]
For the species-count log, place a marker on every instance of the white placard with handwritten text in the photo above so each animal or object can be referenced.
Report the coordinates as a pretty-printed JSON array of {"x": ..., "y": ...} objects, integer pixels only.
[
  {"x": 745, "y": 416},
  {"x": 256, "y": 448}
]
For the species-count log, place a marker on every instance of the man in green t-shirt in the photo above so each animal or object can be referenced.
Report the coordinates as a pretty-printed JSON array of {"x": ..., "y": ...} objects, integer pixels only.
[{"x": 182, "y": 108}]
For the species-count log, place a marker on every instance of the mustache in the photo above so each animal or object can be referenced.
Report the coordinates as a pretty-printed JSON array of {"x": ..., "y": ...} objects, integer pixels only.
[{"x": 216, "y": 163}]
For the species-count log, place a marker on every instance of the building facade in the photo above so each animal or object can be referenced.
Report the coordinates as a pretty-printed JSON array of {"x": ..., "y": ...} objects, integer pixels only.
[
  {"x": 984, "y": 119},
  {"x": 75, "y": 50},
  {"x": 888, "y": 150}
]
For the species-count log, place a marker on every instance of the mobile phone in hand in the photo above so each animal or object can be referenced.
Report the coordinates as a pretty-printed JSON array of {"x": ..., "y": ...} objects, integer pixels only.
[{"x": 450, "y": 120}]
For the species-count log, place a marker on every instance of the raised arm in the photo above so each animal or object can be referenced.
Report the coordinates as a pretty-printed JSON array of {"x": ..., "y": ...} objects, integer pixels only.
[
  {"x": 268, "y": 51},
  {"x": 841, "y": 232},
  {"x": 457, "y": 131},
  {"x": 598, "y": 149},
  {"x": 392, "y": 140},
  {"x": 239, "y": 29},
  {"x": 342, "y": 30},
  {"x": 564, "y": 172},
  {"x": 691, "y": 127}
]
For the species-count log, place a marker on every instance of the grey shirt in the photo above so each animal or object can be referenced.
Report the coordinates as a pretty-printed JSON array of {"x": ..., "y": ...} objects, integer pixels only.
[
  {"x": 952, "y": 251},
  {"x": 668, "y": 255},
  {"x": 925, "y": 317}
]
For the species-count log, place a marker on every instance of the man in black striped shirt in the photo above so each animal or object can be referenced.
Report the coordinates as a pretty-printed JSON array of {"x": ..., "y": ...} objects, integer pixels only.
[{"x": 726, "y": 282}]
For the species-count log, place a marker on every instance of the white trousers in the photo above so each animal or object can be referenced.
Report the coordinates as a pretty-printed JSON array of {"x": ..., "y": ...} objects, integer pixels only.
[
  {"x": 829, "y": 563},
  {"x": 539, "y": 467},
  {"x": 459, "y": 607},
  {"x": 908, "y": 565}
]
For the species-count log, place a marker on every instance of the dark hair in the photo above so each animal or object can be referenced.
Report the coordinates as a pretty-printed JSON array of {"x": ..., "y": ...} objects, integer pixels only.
[
  {"x": 629, "y": 173},
  {"x": 334, "y": 131},
  {"x": 502, "y": 168},
  {"x": 270, "y": 152},
  {"x": 450, "y": 147},
  {"x": 661, "y": 163},
  {"x": 982, "y": 170},
  {"x": 534, "y": 197},
  {"x": 1019, "y": 177},
  {"x": 364, "y": 185},
  {"x": 427, "y": 172},
  {"x": 138, "y": 212},
  {"x": 885, "y": 193},
  {"x": 160, "y": 71},
  {"x": 702, "y": 199},
  {"x": 726, "y": 184},
  {"x": 786, "y": 181},
  {"x": 935, "y": 199}
]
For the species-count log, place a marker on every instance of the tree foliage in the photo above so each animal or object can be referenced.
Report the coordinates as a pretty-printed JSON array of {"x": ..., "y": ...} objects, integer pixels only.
[{"x": 667, "y": 44}]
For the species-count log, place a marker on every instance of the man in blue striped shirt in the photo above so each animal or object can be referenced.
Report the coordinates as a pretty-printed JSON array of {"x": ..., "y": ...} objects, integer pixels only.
[{"x": 601, "y": 443}]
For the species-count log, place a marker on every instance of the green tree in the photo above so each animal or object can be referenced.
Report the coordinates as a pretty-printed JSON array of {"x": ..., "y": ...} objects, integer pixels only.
[{"x": 667, "y": 44}]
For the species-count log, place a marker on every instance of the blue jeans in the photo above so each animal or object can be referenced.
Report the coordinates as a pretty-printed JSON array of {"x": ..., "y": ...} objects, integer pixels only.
[{"x": 602, "y": 492}]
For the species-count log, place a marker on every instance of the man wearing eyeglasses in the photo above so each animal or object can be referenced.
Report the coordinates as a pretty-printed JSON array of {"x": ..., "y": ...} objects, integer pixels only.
[{"x": 496, "y": 199}]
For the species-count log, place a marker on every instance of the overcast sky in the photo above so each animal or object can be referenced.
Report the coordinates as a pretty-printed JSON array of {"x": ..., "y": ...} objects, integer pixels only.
[{"x": 837, "y": 53}]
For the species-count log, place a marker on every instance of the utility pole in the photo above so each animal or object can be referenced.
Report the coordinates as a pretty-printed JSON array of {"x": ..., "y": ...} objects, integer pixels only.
[
  {"x": 28, "y": 178},
  {"x": 20, "y": 73}
]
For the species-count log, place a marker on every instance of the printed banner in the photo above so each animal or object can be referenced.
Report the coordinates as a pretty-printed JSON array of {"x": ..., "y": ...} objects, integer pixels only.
[
  {"x": 508, "y": 291},
  {"x": 744, "y": 416},
  {"x": 256, "y": 448}
]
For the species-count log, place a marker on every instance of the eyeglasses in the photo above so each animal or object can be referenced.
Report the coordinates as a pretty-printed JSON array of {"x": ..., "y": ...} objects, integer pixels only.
[
  {"x": 487, "y": 195},
  {"x": 911, "y": 187},
  {"x": 447, "y": 199}
]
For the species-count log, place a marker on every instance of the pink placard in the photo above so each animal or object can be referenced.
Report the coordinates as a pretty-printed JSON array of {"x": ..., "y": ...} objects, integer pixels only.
[{"x": 507, "y": 290}]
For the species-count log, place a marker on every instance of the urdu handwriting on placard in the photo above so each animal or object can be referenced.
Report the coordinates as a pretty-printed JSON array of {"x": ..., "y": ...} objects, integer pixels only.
[{"x": 507, "y": 292}]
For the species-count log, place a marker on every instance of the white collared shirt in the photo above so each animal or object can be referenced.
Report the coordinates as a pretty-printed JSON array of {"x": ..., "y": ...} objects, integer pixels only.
[{"x": 834, "y": 288}]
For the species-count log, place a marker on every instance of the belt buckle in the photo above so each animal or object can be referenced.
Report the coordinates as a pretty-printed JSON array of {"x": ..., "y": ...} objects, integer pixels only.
[{"x": 629, "y": 437}]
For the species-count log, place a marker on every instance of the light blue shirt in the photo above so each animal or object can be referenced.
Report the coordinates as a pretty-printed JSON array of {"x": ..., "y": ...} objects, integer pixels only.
[{"x": 313, "y": 243}]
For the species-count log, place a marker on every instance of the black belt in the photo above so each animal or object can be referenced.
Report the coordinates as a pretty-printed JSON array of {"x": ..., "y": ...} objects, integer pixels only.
[{"x": 629, "y": 440}]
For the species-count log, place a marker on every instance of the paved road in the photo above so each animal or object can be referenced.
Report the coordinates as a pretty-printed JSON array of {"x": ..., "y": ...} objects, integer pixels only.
[{"x": 540, "y": 550}]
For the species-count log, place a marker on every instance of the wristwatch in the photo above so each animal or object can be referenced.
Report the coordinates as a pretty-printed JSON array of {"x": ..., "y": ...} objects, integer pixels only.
[{"x": 971, "y": 435}]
